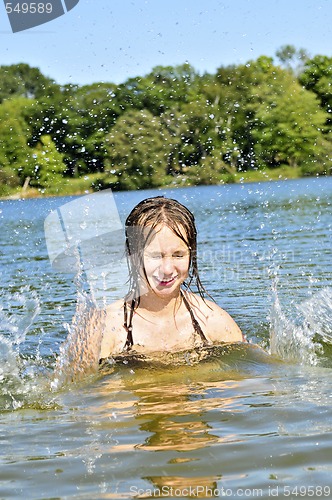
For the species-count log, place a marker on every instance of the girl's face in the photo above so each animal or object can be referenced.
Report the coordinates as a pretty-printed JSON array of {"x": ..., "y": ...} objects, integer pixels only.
[{"x": 166, "y": 262}]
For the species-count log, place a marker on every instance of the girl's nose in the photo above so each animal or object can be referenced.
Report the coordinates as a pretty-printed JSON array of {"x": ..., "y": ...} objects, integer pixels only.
[{"x": 167, "y": 266}]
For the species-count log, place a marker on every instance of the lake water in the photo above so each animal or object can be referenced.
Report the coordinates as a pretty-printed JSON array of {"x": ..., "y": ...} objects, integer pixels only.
[{"x": 241, "y": 423}]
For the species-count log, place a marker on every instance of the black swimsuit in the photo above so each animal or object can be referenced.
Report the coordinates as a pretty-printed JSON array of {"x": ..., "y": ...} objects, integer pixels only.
[{"x": 128, "y": 319}]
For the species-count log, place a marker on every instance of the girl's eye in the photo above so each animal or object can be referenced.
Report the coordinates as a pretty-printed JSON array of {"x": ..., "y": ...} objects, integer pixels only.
[
  {"x": 158, "y": 256},
  {"x": 154, "y": 256}
]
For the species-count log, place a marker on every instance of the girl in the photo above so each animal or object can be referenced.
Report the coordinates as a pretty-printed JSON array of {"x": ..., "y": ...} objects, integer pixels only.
[{"x": 160, "y": 312}]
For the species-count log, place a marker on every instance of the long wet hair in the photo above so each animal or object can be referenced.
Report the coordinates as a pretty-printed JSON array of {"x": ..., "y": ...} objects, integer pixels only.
[{"x": 141, "y": 225}]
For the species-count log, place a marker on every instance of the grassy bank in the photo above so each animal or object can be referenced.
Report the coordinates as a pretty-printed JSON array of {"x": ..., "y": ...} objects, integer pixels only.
[{"x": 89, "y": 183}]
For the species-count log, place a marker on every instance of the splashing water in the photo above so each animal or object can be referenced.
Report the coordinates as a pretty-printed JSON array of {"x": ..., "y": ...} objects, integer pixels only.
[
  {"x": 27, "y": 305},
  {"x": 301, "y": 339},
  {"x": 26, "y": 380},
  {"x": 18, "y": 371},
  {"x": 79, "y": 354}
]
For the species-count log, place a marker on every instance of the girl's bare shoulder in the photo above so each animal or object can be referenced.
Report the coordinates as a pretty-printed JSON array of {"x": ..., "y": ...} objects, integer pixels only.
[
  {"x": 114, "y": 333},
  {"x": 115, "y": 308},
  {"x": 199, "y": 305},
  {"x": 114, "y": 317},
  {"x": 219, "y": 325}
]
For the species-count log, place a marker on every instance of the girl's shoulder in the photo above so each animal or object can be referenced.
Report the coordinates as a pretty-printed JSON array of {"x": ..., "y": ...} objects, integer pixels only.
[
  {"x": 113, "y": 332},
  {"x": 198, "y": 303},
  {"x": 114, "y": 314},
  {"x": 115, "y": 308},
  {"x": 218, "y": 325}
]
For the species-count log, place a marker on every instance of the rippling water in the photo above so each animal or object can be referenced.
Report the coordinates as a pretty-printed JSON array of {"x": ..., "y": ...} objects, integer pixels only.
[{"x": 235, "y": 422}]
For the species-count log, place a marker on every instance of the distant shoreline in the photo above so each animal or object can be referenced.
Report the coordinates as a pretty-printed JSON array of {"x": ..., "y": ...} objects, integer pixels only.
[{"x": 71, "y": 189}]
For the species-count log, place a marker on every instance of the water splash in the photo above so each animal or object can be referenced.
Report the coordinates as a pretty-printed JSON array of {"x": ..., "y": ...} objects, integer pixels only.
[
  {"x": 302, "y": 338},
  {"x": 28, "y": 379},
  {"x": 79, "y": 354},
  {"x": 19, "y": 371},
  {"x": 317, "y": 312},
  {"x": 17, "y": 320}
]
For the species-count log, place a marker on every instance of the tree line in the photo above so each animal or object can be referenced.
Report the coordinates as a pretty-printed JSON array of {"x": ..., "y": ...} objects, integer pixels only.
[{"x": 172, "y": 123}]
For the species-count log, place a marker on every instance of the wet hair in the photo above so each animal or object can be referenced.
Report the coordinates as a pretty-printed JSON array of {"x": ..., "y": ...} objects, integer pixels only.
[{"x": 141, "y": 225}]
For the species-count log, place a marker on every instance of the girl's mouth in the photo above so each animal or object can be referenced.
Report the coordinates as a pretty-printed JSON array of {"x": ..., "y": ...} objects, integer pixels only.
[{"x": 165, "y": 282}]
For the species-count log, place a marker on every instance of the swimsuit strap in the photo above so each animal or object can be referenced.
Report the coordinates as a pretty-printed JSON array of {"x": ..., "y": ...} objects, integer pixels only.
[
  {"x": 128, "y": 325},
  {"x": 196, "y": 325}
]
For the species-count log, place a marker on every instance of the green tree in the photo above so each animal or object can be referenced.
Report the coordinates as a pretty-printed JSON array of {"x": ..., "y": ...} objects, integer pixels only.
[
  {"x": 77, "y": 119},
  {"x": 317, "y": 77},
  {"x": 193, "y": 131},
  {"x": 48, "y": 168},
  {"x": 292, "y": 58},
  {"x": 138, "y": 149},
  {"x": 288, "y": 125},
  {"x": 269, "y": 119},
  {"x": 165, "y": 88},
  {"x": 91, "y": 111},
  {"x": 20, "y": 80},
  {"x": 238, "y": 93},
  {"x": 15, "y": 153}
]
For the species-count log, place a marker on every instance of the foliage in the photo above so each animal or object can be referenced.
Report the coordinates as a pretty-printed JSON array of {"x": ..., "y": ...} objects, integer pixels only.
[
  {"x": 15, "y": 154},
  {"x": 169, "y": 126},
  {"x": 317, "y": 77},
  {"x": 165, "y": 88},
  {"x": 292, "y": 58},
  {"x": 20, "y": 80},
  {"x": 137, "y": 150},
  {"x": 288, "y": 128},
  {"x": 48, "y": 164}
]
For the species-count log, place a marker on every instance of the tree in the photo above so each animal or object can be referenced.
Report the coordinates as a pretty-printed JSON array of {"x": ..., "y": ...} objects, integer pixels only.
[
  {"x": 292, "y": 58},
  {"x": 77, "y": 119},
  {"x": 92, "y": 111},
  {"x": 15, "y": 153},
  {"x": 48, "y": 166},
  {"x": 138, "y": 149},
  {"x": 317, "y": 77},
  {"x": 193, "y": 135},
  {"x": 289, "y": 125},
  {"x": 165, "y": 88},
  {"x": 20, "y": 80},
  {"x": 240, "y": 92}
]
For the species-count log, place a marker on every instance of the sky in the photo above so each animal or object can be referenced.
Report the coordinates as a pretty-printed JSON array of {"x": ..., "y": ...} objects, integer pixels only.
[{"x": 113, "y": 40}]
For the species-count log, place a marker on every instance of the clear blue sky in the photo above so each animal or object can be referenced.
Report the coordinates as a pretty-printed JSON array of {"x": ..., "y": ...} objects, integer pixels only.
[{"x": 112, "y": 40}]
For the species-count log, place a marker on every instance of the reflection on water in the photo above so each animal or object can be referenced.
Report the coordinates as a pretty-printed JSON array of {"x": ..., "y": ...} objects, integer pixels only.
[
  {"x": 183, "y": 420},
  {"x": 170, "y": 416},
  {"x": 173, "y": 430}
]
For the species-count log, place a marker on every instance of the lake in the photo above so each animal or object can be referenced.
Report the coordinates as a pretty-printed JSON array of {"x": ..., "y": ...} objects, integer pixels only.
[{"x": 241, "y": 423}]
